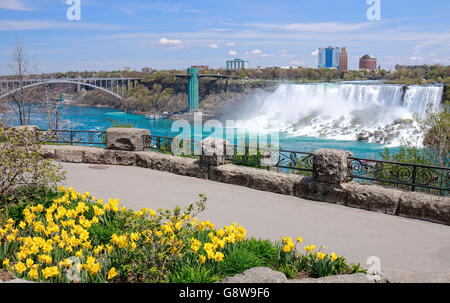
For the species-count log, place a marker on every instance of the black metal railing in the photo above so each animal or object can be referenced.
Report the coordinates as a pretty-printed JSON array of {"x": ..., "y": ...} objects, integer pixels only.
[
  {"x": 408, "y": 176},
  {"x": 162, "y": 144},
  {"x": 75, "y": 137},
  {"x": 284, "y": 160}
]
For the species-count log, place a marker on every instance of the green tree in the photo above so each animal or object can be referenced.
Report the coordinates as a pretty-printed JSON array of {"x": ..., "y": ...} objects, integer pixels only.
[{"x": 435, "y": 126}]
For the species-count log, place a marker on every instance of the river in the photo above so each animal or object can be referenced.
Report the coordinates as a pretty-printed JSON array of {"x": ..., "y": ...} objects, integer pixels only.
[{"x": 312, "y": 116}]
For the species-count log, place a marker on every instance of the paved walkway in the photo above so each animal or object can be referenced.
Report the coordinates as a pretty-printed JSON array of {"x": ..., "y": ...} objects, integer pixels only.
[{"x": 402, "y": 244}]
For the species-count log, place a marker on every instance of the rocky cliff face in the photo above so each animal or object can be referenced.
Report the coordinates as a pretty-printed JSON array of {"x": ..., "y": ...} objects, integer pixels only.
[{"x": 217, "y": 97}]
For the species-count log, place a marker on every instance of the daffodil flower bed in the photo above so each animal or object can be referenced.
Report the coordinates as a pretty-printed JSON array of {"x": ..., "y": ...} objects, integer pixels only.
[{"x": 79, "y": 238}]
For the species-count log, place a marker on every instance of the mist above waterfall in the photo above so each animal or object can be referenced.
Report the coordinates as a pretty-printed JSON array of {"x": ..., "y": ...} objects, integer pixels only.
[{"x": 378, "y": 113}]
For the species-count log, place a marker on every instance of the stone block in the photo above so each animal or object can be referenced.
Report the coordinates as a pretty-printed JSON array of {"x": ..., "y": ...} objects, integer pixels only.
[
  {"x": 189, "y": 167},
  {"x": 372, "y": 197},
  {"x": 126, "y": 158},
  {"x": 426, "y": 207},
  {"x": 272, "y": 181},
  {"x": 331, "y": 165},
  {"x": 229, "y": 173},
  {"x": 214, "y": 151},
  {"x": 127, "y": 139},
  {"x": 94, "y": 155},
  {"x": 308, "y": 188},
  {"x": 162, "y": 162},
  {"x": 144, "y": 159},
  {"x": 68, "y": 153},
  {"x": 48, "y": 151}
]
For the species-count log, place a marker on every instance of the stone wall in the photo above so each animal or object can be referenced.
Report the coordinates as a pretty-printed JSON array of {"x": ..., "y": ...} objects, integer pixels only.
[{"x": 328, "y": 184}]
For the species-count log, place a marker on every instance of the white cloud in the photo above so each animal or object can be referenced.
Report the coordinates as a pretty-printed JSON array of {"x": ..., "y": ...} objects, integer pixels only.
[
  {"x": 297, "y": 63},
  {"x": 442, "y": 60},
  {"x": 22, "y": 25},
  {"x": 232, "y": 53},
  {"x": 173, "y": 43},
  {"x": 431, "y": 54},
  {"x": 325, "y": 27},
  {"x": 14, "y": 5},
  {"x": 258, "y": 53},
  {"x": 213, "y": 45},
  {"x": 230, "y": 44},
  {"x": 315, "y": 53},
  {"x": 416, "y": 58}
]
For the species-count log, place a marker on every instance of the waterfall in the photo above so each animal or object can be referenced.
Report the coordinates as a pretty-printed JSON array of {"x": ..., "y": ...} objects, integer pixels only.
[{"x": 379, "y": 113}]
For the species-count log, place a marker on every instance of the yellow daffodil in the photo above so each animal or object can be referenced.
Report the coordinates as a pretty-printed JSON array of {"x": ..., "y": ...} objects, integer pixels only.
[
  {"x": 50, "y": 272},
  {"x": 112, "y": 273},
  {"x": 20, "y": 267},
  {"x": 219, "y": 257},
  {"x": 333, "y": 256}
]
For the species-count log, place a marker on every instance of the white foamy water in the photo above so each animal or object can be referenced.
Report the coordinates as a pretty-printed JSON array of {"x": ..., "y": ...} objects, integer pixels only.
[{"x": 346, "y": 111}]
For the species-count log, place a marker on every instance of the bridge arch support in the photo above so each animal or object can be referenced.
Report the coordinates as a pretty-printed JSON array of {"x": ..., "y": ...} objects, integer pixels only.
[{"x": 62, "y": 81}]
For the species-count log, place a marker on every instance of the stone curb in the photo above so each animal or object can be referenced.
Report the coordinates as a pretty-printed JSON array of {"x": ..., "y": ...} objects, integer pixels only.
[{"x": 368, "y": 197}]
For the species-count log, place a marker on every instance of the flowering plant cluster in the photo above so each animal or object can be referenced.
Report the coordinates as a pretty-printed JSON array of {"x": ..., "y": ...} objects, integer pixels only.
[{"x": 79, "y": 238}]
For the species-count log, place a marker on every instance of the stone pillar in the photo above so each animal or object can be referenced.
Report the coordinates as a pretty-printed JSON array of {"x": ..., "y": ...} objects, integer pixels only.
[
  {"x": 331, "y": 166},
  {"x": 129, "y": 139},
  {"x": 214, "y": 151}
]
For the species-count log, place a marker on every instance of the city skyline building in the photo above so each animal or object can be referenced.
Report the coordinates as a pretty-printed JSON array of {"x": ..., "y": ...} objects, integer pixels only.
[
  {"x": 367, "y": 62},
  {"x": 237, "y": 64},
  {"x": 343, "y": 60},
  {"x": 329, "y": 57}
]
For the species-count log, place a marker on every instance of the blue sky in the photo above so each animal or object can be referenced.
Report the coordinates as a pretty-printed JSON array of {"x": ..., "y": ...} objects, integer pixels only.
[{"x": 113, "y": 34}]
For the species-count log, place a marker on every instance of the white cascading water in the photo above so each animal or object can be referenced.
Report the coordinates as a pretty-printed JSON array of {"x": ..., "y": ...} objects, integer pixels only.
[{"x": 378, "y": 113}]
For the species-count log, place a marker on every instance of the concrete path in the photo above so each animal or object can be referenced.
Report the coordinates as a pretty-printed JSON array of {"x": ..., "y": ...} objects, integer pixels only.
[{"x": 403, "y": 244}]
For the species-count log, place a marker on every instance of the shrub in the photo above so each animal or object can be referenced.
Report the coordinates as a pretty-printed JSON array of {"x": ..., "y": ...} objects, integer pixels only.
[
  {"x": 435, "y": 129},
  {"x": 194, "y": 274},
  {"x": 24, "y": 171},
  {"x": 239, "y": 261},
  {"x": 263, "y": 249}
]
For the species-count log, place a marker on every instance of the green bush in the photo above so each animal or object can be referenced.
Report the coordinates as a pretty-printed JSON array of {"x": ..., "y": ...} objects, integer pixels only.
[
  {"x": 194, "y": 274},
  {"x": 263, "y": 249},
  {"x": 24, "y": 173},
  {"x": 239, "y": 261}
]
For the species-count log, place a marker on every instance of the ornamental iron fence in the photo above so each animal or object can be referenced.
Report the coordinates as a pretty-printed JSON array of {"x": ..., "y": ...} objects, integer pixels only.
[
  {"x": 408, "y": 176},
  {"x": 75, "y": 137},
  {"x": 283, "y": 160}
]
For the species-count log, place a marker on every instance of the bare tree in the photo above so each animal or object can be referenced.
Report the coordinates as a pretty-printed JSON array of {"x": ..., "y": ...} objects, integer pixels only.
[
  {"x": 20, "y": 95},
  {"x": 49, "y": 97}
]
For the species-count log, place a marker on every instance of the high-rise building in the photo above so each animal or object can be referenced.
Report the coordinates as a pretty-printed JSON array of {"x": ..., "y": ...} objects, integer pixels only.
[
  {"x": 201, "y": 67},
  {"x": 329, "y": 57},
  {"x": 366, "y": 62},
  {"x": 237, "y": 64},
  {"x": 343, "y": 59},
  {"x": 147, "y": 70}
]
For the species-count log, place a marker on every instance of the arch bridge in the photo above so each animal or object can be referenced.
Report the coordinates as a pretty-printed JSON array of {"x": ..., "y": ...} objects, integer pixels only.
[{"x": 114, "y": 86}]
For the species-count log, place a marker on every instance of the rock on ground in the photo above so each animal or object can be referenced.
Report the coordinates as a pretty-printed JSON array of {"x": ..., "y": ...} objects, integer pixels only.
[
  {"x": 257, "y": 275},
  {"x": 355, "y": 278}
]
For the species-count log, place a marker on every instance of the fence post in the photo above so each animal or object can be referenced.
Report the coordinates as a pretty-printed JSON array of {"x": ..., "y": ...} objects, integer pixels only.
[
  {"x": 213, "y": 151},
  {"x": 331, "y": 166}
]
